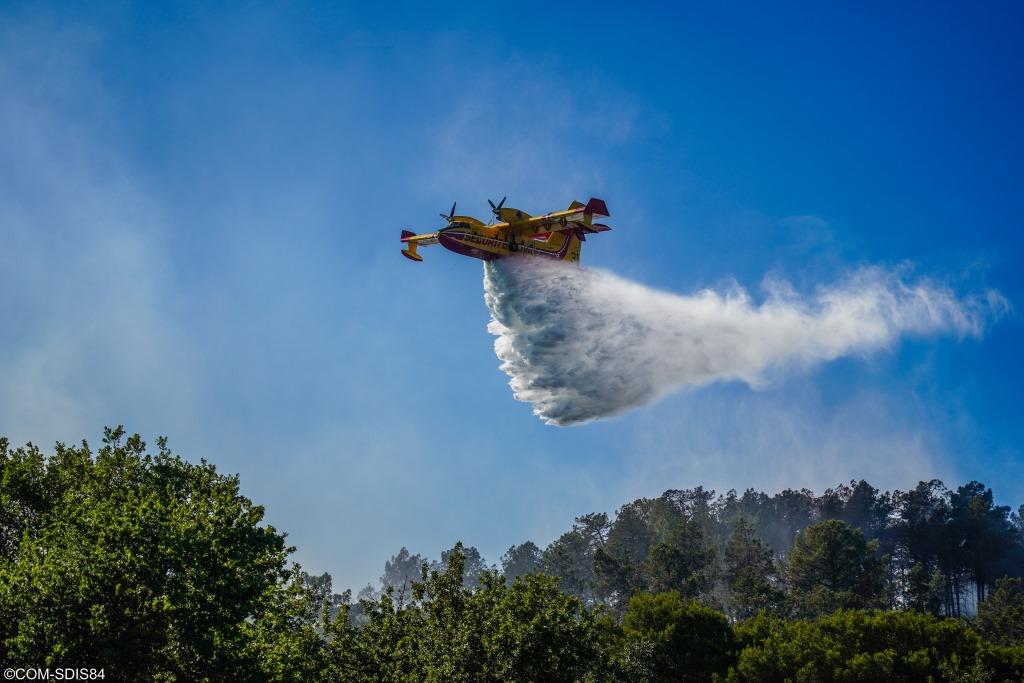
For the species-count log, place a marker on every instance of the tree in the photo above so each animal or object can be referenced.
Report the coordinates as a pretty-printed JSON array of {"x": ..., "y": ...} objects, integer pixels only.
[
  {"x": 868, "y": 646},
  {"x": 918, "y": 535},
  {"x": 570, "y": 557},
  {"x": 473, "y": 564},
  {"x": 1001, "y": 614},
  {"x": 520, "y": 560},
  {"x": 980, "y": 534},
  {"x": 630, "y": 535},
  {"x": 687, "y": 641},
  {"x": 695, "y": 505},
  {"x": 401, "y": 570},
  {"x": 750, "y": 574},
  {"x": 285, "y": 643},
  {"x": 537, "y": 633},
  {"x": 594, "y": 527},
  {"x": 831, "y": 566},
  {"x": 675, "y": 567},
  {"x": 680, "y": 562},
  {"x": 155, "y": 568},
  {"x": 24, "y": 497},
  {"x": 146, "y": 565},
  {"x": 1017, "y": 520},
  {"x": 616, "y": 578},
  {"x": 923, "y": 592},
  {"x": 322, "y": 588},
  {"x": 618, "y": 563},
  {"x": 526, "y": 631},
  {"x": 858, "y": 504},
  {"x": 786, "y": 514}
]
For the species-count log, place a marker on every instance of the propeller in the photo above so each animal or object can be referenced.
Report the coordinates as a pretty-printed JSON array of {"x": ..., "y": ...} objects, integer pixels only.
[
  {"x": 496, "y": 210},
  {"x": 450, "y": 215}
]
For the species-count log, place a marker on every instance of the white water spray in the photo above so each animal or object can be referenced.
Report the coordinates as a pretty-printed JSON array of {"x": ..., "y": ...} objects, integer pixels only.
[{"x": 582, "y": 344}]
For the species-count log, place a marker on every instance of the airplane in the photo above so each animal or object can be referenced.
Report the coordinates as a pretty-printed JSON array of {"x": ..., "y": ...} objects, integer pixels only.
[{"x": 556, "y": 235}]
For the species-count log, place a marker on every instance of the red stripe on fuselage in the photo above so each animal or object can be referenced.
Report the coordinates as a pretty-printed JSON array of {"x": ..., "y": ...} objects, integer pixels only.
[{"x": 462, "y": 243}]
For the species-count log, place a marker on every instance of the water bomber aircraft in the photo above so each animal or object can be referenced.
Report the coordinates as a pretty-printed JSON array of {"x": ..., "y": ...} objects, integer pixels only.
[{"x": 512, "y": 232}]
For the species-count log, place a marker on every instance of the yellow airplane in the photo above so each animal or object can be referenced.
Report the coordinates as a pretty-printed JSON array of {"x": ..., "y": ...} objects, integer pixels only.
[{"x": 556, "y": 235}]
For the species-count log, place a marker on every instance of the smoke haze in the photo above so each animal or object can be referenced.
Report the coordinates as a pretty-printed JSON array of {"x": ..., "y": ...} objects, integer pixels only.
[{"x": 582, "y": 344}]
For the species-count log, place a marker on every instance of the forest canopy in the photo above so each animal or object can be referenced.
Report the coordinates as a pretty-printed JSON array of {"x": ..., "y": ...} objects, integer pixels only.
[{"x": 152, "y": 567}]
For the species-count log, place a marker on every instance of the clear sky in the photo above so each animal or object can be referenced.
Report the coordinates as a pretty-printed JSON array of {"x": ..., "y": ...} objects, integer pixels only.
[{"x": 200, "y": 206}]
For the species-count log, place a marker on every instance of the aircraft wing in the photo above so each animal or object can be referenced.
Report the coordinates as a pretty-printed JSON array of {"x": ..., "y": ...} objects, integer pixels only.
[
  {"x": 540, "y": 225},
  {"x": 578, "y": 218}
]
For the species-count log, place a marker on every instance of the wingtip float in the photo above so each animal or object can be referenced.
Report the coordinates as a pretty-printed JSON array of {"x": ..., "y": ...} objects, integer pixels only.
[{"x": 557, "y": 235}]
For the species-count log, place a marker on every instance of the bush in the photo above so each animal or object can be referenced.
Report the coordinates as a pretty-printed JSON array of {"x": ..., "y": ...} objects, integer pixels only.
[
  {"x": 688, "y": 641},
  {"x": 867, "y": 646}
]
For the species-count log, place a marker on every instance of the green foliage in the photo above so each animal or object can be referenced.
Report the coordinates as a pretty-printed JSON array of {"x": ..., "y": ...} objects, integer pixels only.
[
  {"x": 858, "y": 504},
  {"x": 537, "y": 633},
  {"x": 473, "y": 565},
  {"x": 284, "y": 641},
  {"x": 158, "y": 569},
  {"x": 401, "y": 570},
  {"x": 657, "y": 545},
  {"x": 616, "y": 578},
  {"x": 981, "y": 538},
  {"x": 135, "y": 562},
  {"x": 1001, "y": 614},
  {"x": 571, "y": 558},
  {"x": 680, "y": 562},
  {"x": 959, "y": 535},
  {"x": 866, "y": 646},
  {"x": 520, "y": 560},
  {"x": 935, "y": 547},
  {"x": 750, "y": 574},
  {"x": 923, "y": 591},
  {"x": 526, "y": 631},
  {"x": 686, "y": 640},
  {"x": 832, "y": 567}
]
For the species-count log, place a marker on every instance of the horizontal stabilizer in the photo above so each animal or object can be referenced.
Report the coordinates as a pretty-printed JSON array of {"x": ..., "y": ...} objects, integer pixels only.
[
  {"x": 597, "y": 207},
  {"x": 585, "y": 227},
  {"x": 411, "y": 255}
]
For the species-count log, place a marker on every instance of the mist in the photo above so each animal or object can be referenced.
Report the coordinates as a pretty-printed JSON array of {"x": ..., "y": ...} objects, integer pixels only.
[{"x": 582, "y": 344}]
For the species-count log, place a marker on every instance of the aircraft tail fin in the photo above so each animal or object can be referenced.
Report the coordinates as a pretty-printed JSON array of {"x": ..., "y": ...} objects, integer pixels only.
[
  {"x": 410, "y": 252},
  {"x": 596, "y": 207},
  {"x": 577, "y": 205}
]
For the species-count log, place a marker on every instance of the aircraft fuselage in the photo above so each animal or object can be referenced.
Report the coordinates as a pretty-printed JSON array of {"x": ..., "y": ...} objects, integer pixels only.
[{"x": 488, "y": 243}]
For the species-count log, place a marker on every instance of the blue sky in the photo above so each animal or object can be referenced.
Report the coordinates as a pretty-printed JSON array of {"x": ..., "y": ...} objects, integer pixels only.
[{"x": 199, "y": 209}]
